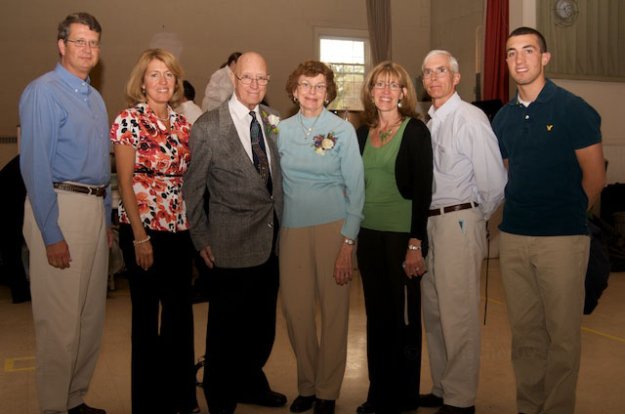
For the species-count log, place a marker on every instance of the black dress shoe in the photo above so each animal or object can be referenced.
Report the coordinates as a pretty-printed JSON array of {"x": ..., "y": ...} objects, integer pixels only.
[
  {"x": 411, "y": 404},
  {"x": 302, "y": 403},
  {"x": 366, "y": 408},
  {"x": 266, "y": 399},
  {"x": 450, "y": 409},
  {"x": 221, "y": 410},
  {"x": 85, "y": 409},
  {"x": 430, "y": 400},
  {"x": 324, "y": 406}
]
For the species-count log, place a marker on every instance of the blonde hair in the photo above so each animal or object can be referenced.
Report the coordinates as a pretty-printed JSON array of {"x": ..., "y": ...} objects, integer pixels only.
[
  {"x": 134, "y": 91},
  {"x": 408, "y": 101}
]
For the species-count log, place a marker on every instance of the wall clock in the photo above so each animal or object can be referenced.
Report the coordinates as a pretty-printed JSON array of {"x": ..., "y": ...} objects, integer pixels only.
[{"x": 565, "y": 12}]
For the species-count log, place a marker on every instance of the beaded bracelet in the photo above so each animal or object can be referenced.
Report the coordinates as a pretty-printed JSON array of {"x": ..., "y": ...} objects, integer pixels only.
[{"x": 138, "y": 242}]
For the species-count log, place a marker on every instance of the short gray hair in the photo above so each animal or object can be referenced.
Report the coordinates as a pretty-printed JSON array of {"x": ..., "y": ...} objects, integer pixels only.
[{"x": 453, "y": 62}]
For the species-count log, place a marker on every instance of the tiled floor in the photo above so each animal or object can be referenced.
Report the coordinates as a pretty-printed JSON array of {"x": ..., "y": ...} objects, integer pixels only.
[{"x": 601, "y": 386}]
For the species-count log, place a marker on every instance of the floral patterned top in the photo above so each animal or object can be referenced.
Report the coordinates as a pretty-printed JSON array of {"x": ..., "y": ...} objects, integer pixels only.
[{"x": 161, "y": 159}]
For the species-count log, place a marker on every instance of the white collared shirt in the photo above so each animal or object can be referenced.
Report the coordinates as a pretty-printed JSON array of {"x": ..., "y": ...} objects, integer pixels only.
[
  {"x": 467, "y": 161},
  {"x": 242, "y": 119}
]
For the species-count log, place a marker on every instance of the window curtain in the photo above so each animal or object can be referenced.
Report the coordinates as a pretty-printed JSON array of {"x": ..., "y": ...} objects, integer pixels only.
[
  {"x": 379, "y": 21},
  {"x": 495, "y": 34},
  {"x": 589, "y": 46}
]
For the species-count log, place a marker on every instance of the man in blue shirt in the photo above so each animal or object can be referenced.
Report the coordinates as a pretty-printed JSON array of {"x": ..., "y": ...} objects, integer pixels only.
[
  {"x": 66, "y": 169},
  {"x": 550, "y": 141}
]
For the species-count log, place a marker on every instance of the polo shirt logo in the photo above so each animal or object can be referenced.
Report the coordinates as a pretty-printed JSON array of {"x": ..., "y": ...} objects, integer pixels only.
[{"x": 549, "y": 127}]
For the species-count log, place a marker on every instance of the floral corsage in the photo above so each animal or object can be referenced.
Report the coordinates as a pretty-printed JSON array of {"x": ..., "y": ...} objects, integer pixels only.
[
  {"x": 322, "y": 144},
  {"x": 271, "y": 122}
]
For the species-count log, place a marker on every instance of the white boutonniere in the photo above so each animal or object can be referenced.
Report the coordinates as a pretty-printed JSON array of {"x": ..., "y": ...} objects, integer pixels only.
[
  {"x": 271, "y": 122},
  {"x": 322, "y": 144}
]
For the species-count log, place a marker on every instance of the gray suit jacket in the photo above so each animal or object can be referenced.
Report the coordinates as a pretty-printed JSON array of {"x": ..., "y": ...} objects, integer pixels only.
[{"x": 239, "y": 226}]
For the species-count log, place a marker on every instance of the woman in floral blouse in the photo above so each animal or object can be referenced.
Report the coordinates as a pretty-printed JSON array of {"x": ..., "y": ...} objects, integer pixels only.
[
  {"x": 323, "y": 197},
  {"x": 152, "y": 154}
]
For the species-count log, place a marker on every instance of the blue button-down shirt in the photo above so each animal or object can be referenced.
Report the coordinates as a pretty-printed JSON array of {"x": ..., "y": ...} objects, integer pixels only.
[{"x": 64, "y": 137}]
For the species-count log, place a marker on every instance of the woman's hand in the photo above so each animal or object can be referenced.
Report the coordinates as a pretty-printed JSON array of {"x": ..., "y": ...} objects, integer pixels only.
[
  {"x": 343, "y": 265},
  {"x": 414, "y": 264},
  {"x": 144, "y": 255}
]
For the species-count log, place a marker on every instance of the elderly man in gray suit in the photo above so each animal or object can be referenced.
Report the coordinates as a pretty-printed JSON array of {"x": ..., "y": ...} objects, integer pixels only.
[{"x": 235, "y": 162}]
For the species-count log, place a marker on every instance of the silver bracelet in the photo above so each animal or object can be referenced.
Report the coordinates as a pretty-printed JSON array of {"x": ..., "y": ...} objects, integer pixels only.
[
  {"x": 138, "y": 242},
  {"x": 414, "y": 247}
]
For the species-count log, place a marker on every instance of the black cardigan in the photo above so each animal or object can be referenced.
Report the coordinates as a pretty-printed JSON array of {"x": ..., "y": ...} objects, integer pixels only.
[{"x": 413, "y": 174}]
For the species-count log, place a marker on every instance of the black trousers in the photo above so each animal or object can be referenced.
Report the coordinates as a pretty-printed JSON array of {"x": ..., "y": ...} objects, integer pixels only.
[
  {"x": 240, "y": 332},
  {"x": 162, "y": 367},
  {"x": 393, "y": 307}
]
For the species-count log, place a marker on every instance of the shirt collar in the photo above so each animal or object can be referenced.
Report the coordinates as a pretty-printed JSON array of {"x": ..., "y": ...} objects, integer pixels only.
[
  {"x": 447, "y": 108},
  {"x": 72, "y": 80},
  {"x": 545, "y": 94},
  {"x": 241, "y": 111}
]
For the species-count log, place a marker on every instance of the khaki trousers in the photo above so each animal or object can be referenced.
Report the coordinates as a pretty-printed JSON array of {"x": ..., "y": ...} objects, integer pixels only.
[
  {"x": 307, "y": 257},
  {"x": 69, "y": 304},
  {"x": 543, "y": 278},
  {"x": 450, "y": 292}
]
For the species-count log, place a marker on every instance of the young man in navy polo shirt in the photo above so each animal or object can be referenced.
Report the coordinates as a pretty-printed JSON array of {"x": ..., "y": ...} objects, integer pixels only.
[{"x": 550, "y": 141}]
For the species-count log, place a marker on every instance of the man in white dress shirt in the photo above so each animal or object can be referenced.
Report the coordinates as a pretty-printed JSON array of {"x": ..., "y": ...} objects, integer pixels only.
[{"x": 469, "y": 181}]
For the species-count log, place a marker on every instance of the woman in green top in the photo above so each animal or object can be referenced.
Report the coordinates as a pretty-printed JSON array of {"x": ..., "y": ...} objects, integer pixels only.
[{"x": 397, "y": 156}]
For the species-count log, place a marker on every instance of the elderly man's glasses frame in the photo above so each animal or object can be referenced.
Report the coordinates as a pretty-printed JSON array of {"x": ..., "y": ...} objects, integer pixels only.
[{"x": 248, "y": 79}]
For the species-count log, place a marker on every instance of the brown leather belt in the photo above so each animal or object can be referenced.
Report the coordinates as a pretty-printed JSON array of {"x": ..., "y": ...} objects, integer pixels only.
[
  {"x": 451, "y": 209},
  {"x": 82, "y": 189}
]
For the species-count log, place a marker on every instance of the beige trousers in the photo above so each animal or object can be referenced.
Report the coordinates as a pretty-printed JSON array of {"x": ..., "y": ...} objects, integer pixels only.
[
  {"x": 543, "y": 278},
  {"x": 307, "y": 257},
  {"x": 450, "y": 298},
  {"x": 69, "y": 304}
]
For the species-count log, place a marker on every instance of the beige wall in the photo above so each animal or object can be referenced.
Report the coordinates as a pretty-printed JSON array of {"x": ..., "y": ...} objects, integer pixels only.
[
  {"x": 454, "y": 27},
  {"x": 282, "y": 30}
]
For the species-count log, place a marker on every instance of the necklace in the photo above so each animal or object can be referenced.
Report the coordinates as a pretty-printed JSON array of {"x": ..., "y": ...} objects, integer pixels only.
[
  {"x": 383, "y": 134},
  {"x": 164, "y": 119},
  {"x": 308, "y": 131}
]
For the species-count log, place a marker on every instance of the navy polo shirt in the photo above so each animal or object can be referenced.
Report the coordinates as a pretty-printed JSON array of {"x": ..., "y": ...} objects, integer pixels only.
[{"x": 544, "y": 194}]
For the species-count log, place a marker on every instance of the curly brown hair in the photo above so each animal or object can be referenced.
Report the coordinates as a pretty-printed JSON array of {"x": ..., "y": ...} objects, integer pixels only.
[
  {"x": 312, "y": 68},
  {"x": 388, "y": 70}
]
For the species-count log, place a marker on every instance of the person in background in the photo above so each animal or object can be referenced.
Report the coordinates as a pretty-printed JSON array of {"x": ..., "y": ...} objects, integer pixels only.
[
  {"x": 220, "y": 85},
  {"x": 392, "y": 244},
  {"x": 323, "y": 199},
  {"x": 64, "y": 159},
  {"x": 550, "y": 140},
  {"x": 151, "y": 143},
  {"x": 236, "y": 161},
  {"x": 469, "y": 179},
  {"x": 11, "y": 238},
  {"x": 187, "y": 107}
]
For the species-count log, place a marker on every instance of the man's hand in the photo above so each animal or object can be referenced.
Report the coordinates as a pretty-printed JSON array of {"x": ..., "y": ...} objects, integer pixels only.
[
  {"x": 58, "y": 254},
  {"x": 109, "y": 237},
  {"x": 207, "y": 255}
]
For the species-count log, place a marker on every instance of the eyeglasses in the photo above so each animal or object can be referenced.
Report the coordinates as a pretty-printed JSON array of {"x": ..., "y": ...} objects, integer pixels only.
[
  {"x": 93, "y": 44},
  {"x": 320, "y": 87},
  {"x": 248, "y": 79},
  {"x": 428, "y": 73},
  {"x": 394, "y": 86}
]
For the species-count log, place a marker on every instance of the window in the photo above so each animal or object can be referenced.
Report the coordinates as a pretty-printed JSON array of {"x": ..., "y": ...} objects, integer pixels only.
[{"x": 348, "y": 57}]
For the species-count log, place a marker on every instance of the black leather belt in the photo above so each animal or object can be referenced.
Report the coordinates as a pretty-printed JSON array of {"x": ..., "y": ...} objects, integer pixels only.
[
  {"x": 82, "y": 189},
  {"x": 451, "y": 209}
]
